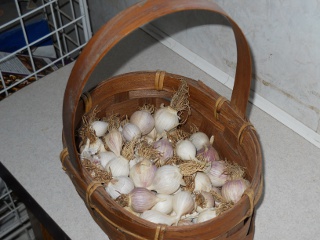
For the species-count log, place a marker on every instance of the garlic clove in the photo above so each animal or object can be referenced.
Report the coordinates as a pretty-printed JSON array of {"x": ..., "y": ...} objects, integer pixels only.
[
  {"x": 114, "y": 141},
  {"x": 165, "y": 206},
  {"x": 158, "y": 217},
  {"x": 232, "y": 190},
  {"x": 206, "y": 215},
  {"x": 142, "y": 173},
  {"x": 199, "y": 140},
  {"x": 99, "y": 127},
  {"x": 166, "y": 118},
  {"x": 183, "y": 203},
  {"x": 186, "y": 150},
  {"x": 143, "y": 120},
  {"x": 167, "y": 180},
  {"x": 130, "y": 131},
  {"x": 119, "y": 185}
]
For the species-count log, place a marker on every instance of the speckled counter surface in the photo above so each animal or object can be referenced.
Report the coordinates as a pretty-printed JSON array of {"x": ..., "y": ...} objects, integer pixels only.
[{"x": 30, "y": 130}]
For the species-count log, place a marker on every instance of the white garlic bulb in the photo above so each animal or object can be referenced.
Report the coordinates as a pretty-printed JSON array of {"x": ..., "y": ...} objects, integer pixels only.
[
  {"x": 165, "y": 148},
  {"x": 92, "y": 148},
  {"x": 217, "y": 173},
  {"x": 202, "y": 182},
  {"x": 186, "y": 150},
  {"x": 119, "y": 185},
  {"x": 166, "y": 118},
  {"x": 166, "y": 205},
  {"x": 142, "y": 173},
  {"x": 167, "y": 180},
  {"x": 99, "y": 127},
  {"x": 118, "y": 166},
  {"x": 206, "y": 215},
  {"x": 208, "y": 202},
  {"x": 158, "y": 217},
  {"x": 183, "y": 203},
  {"x": 104, "y": 157},
  {"x": 143, "y": 120},
  {"x": 232, "y": 190},
  {"x": 130, "y": 131},
  {"x": 141, "y": 199},
  {"x": 199, "y": 140}
]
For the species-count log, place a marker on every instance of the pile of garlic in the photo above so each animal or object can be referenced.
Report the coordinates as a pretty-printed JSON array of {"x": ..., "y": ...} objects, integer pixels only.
[{"x": 158, "y": 171}]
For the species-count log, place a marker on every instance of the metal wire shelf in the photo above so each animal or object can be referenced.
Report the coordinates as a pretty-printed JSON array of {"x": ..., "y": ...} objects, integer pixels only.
[{"x": 69, "y": 30}]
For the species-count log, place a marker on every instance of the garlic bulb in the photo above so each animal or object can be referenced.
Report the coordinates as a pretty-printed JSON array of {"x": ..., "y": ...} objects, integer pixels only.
[
  {"x": 141, "y": 199},
  {"x": 186, "y": 150},
  {"x": 232, "y": 190},
  {"x": 158, "y": 217},
  {"x": 183, "y": 203},
  {"x": 208, "y": 202},
  {"x": 99, "y": 127},
  {"x": 206, "y": 215},
  {"x": 165, "y": 206},
  {"x": 143, "y": 120},
  {"x": 119, "y": 185},
  {"x": 209, "y": 153},
  {"x": 114, "y": 141},
  {"x": 167, "y": 180},
  {"x": 165, "y": 148},
  {"x": 91, "y": 148},
  {"x": 217, "y": 174},
  {"x": 166, "y": 118},
  {"x": 202, "y": 182},
  {"x": 199, "y": 140},
  {"x": 130, "y": 131},
  {"x": 104, "y": 157},
  {"x": 142, "y": 173},
  {"x": 118, "y": 166}
]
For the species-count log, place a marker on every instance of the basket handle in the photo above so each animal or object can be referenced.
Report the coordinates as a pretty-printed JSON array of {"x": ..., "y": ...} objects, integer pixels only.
[{"x": 123, "y": 24}]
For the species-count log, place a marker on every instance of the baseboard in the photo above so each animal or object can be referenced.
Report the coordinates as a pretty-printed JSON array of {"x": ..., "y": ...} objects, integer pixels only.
[{"x": 262, "y": 103}]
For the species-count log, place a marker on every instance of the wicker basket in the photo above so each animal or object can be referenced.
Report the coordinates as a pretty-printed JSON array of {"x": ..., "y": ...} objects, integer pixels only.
[{"x": 235, "y": 137}]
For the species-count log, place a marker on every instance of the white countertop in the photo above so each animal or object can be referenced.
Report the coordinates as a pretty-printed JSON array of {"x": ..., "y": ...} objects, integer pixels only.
[{"x": 31, "y": 126}]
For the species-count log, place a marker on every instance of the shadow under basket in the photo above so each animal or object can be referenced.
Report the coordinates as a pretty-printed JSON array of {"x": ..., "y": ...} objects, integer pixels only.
[{"x": 234, "y": 137}]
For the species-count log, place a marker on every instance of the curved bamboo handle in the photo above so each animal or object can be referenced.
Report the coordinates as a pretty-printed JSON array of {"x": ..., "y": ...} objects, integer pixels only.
[{"x": 126, "y": 22}]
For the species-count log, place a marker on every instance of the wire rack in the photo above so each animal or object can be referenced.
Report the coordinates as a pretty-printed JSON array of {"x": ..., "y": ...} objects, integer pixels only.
[
  {"x": 67, "y": 31},
  {"x": 14, "y": 219}
]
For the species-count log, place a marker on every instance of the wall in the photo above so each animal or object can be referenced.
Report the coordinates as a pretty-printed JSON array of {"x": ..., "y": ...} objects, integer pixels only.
[{"x": 284, "y": 40}]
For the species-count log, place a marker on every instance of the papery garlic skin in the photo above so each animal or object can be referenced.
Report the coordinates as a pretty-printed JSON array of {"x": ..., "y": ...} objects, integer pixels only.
[
  {"x": 167, "y": 180},
  {"x": 166, "y": 205},
  {"x": 143, "y": 173},
  {"x": 186, "y": 150},
  {"x": 143, "y": 120},
  {"x": 199, "y": 140},
  {"x": 232, "y": 190},
  {"x": 114, "y": 141},
  {"x": 141, "y": 199},
  {"x": 166, "y": 118},
  {"x": 183, "y": 203},
  {"x": 118, "y": 166},
  {"x": 119, "y": 185},
  {"x": 130, "y": 131},
  {"x": 158, "y": 217},
  {"x": 202, "y": 182},
  {"x": 208, "y": 202},
  {"x": 100, "y": 128},
  {"x": 206, "y": 215}
]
